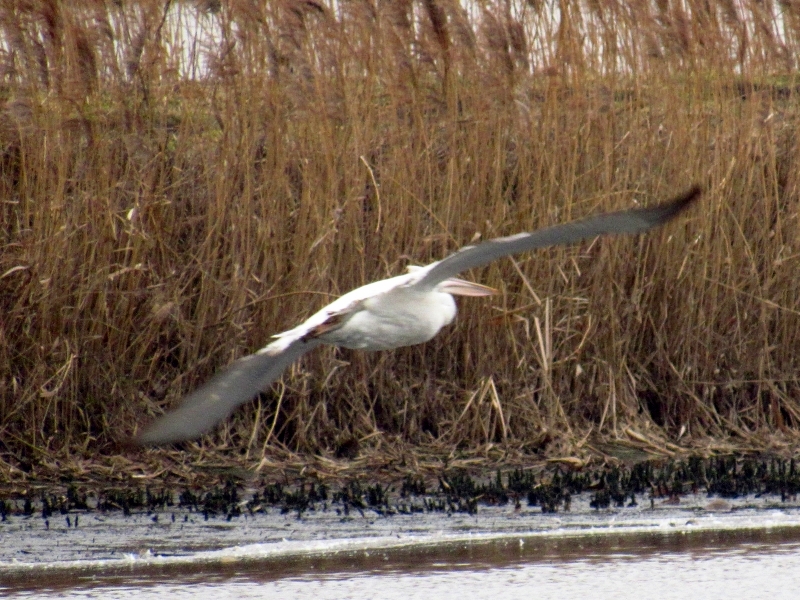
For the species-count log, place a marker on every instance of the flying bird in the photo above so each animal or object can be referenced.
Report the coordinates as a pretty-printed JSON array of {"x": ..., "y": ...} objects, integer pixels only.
[{"x": 400, "y": 311}]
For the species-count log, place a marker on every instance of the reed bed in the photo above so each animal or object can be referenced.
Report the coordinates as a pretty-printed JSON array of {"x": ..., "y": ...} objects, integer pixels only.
[{"x": 178, "y": 181}]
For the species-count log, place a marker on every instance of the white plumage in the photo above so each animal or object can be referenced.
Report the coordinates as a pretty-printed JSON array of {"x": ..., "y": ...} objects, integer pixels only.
[{"x": 383, "y": 315}]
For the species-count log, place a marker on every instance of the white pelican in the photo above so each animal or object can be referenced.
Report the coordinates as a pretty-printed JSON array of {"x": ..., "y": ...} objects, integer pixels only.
[{"x": 399, "y": 311}]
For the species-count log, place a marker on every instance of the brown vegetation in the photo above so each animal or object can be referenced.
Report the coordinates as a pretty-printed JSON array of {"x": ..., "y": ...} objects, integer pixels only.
[{"x": 179, "y": 181}]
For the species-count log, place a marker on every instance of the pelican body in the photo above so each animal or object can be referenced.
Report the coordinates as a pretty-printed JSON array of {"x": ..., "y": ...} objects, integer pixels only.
[
  {"x": 385, "y": 314},
  {"x": 400, "y": 311}
]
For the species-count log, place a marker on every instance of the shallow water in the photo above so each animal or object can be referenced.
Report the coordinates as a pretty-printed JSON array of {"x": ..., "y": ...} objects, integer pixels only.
[
  {"x": 730, "y": 564},
  {"x": 750, "y": 549}
]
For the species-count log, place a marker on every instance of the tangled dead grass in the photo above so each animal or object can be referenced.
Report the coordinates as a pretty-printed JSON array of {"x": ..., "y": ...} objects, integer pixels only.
[{"x": 178, "y": 181}]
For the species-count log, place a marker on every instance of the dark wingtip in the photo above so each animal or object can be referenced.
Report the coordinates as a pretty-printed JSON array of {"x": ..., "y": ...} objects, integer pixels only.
[
  {"x": 676, "y": 206},
  {"x": 132, "y": 442},
  {"x": 147, "y": 439},
  {"x": 148, "y": 436},
  {"x": 138, "y": 442},
  {"x": 129, "y": 444},
  {"x": 152, "y": 439}
]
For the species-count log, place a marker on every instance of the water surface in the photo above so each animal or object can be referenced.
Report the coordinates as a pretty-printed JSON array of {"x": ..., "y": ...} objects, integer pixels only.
[{"x": 751, "y": 549}]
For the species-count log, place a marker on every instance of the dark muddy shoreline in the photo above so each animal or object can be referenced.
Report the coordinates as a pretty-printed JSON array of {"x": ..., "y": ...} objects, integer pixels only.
[
  {"x": 549, "y": 489},
  {"x": 50, "y": 522},
  {"x": 76, "y": 533}
]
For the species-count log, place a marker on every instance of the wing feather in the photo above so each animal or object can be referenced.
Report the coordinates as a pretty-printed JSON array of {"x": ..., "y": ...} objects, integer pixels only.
[
  {"x": 631, "y": 221},
  {"x": 236, "y": 384}
]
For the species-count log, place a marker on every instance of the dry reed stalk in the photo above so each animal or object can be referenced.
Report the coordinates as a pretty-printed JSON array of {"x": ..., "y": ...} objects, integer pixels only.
[{"x": 164, "y": 210}]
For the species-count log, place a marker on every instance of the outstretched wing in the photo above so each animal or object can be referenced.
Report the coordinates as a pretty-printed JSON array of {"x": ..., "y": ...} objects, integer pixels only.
[
  {"x": 637, "y": 220},
  {"x": 240, "y": 381},
  {"x": 236, "y": 384}
]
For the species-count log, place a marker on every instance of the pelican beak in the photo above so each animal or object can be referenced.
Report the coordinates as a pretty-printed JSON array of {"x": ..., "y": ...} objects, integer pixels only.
[{"x": 460, "y": 287}]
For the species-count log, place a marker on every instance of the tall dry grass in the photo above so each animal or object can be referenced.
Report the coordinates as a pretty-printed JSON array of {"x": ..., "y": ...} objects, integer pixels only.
[{"x": 179, "y": 181}]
